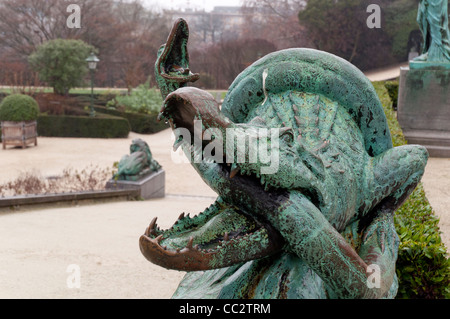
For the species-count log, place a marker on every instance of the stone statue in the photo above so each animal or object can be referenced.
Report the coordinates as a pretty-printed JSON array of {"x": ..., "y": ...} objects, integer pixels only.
[
  {"x": 321, "y": 224},
  {"x": 433, "y": 22},
  {"x": 138, "y": 164}
]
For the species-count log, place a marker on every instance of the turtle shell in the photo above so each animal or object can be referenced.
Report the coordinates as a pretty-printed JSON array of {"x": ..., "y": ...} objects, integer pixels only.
[{"x": 316, "y": 72}]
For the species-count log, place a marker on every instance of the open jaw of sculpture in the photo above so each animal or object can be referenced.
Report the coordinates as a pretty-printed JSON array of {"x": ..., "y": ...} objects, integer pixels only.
[{"x": 316, "y": 226}]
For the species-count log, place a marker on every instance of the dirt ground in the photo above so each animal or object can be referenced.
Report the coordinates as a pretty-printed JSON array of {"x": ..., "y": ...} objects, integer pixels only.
[{"x": 91, "y": 250}]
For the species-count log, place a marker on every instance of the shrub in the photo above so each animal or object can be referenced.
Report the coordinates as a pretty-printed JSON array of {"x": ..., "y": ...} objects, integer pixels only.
[
  {"x": 18, "y": 107},
  {"x": 423, "y": 267},
  {"x": 71, "y": 180},
  {"x": 142, "y": 99}
]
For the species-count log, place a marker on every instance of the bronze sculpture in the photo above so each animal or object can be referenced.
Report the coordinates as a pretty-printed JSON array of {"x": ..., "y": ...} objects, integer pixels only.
[
  {"x": 138, "y": 163},
  {"x": 433, "y": 22},
  {"x": 319, "y": 225}
]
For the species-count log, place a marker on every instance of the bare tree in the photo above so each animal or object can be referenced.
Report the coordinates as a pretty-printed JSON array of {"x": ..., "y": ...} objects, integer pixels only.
[
  {"x": 222, "y": 62},
  {"x": 276, "y": 21},
  {"x": 24, "y": 24},
  {"x": 126, "y": 34},
  {"x": 141, "y": 34}
]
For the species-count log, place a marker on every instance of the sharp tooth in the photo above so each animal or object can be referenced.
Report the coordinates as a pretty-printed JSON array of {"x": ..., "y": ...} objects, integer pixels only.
[
  {"x": 191, "y": 241},
  {"x": 181, "y": 216},
  {"x": 159, "y": 238},
  {"x": 234, "y": 170},
  {"x": 153, "y": 223},
  {"x": 151, "y": 230}
]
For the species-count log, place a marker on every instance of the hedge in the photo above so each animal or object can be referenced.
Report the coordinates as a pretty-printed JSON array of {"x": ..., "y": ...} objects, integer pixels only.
[
  {"x": 100, "y": 126},
  {"x": 423, "y": 267},
  {"x": 139, "y": 123}
]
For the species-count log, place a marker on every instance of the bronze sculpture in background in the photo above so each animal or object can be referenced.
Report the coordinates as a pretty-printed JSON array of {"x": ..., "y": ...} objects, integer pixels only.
[
  {"x": 433, "y": 22},
  {"x": 138, "y": 163}
]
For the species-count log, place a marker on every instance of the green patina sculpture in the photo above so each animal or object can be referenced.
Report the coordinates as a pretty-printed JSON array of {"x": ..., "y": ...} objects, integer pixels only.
[
  {"x": 138, "y": 164},
  {"x": 433, "y": 22},
  {"x": 320, "y": 225}
]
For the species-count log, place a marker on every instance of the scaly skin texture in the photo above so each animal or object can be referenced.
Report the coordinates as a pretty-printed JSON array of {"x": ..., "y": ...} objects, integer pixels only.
[{"x": 320, "y": 224}]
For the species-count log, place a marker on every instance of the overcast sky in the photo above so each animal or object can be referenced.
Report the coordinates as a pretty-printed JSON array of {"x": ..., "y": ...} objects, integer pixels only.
[{"x": 208, "y": 5}]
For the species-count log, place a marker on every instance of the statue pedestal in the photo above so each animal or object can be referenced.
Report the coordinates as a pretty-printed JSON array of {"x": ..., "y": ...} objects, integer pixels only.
[
  {"x": 151, "y": 186},
  {"x": 424, "y": 106}
]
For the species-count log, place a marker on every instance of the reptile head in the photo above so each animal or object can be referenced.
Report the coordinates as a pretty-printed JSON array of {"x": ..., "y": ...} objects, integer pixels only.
[
  {"x": 228, "y": 232},
  {"x": 243, "y": 225},
  {"x": 172, "y": 63}
]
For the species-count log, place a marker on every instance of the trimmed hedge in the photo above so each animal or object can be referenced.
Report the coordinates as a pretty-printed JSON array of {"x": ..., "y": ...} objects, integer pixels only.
[
  {"x": 101, "y": 126},
  {"x": 139, "y": 123},
  {"x": 423, "y": 267}
]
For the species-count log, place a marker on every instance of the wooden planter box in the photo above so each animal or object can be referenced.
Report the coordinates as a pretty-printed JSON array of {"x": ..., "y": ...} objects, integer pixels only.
[{"x": 19, "y": 133}]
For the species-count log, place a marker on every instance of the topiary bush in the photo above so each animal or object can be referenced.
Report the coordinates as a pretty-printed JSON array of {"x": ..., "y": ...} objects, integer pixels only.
[
  {"x": 423, "y": 267},
  {"x": 18, "y": 108}
]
